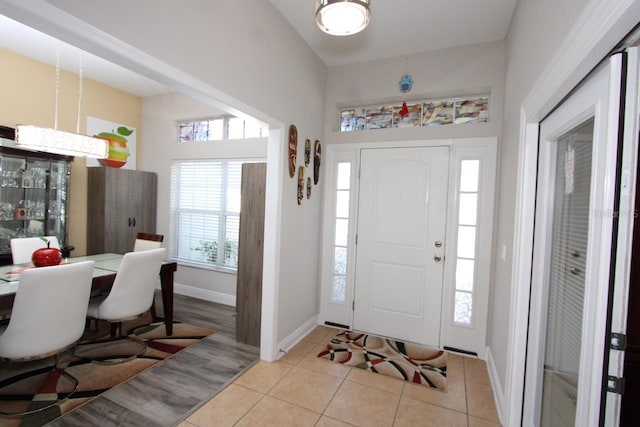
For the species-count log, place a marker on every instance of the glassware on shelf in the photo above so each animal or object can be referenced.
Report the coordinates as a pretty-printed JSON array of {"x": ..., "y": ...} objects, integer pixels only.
[
  {"x": 6, "y": 211},
  {"x": 10, "y": 178}
]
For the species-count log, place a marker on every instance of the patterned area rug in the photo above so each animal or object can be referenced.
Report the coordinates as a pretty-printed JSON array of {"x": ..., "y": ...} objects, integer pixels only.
[
  {"x": 406, "y": 361},
  {"x": 32, "y": 384}
]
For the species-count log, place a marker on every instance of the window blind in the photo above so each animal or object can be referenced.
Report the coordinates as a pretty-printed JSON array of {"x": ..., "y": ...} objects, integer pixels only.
[{"x": 205, "y": 212}]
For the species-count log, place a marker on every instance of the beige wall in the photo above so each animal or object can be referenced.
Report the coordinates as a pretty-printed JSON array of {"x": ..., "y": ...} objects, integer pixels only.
[{"x": 27, "y": 89}]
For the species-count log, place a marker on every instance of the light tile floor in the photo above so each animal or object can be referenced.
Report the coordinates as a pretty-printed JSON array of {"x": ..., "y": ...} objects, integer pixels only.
[{"x": 303, "y": 390}]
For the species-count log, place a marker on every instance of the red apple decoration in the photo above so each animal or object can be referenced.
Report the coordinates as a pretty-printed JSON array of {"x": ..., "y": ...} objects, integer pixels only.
[
  {"x": 118, "y": 150},
  {"x": 45, "y": 257}
]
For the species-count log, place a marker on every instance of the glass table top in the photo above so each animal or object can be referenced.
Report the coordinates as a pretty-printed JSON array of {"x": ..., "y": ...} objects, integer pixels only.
[{"x": 105, "y": 264}]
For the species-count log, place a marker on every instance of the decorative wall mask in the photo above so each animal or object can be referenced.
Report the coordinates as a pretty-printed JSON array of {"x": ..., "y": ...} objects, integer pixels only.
[
  {"x": 307, "y": 151},
  {"x": 308, "y": 187},
  {"x": 316, "y": 162},
  {"x": 300, "y": 184},
  {"x": 293, "y": 150}
]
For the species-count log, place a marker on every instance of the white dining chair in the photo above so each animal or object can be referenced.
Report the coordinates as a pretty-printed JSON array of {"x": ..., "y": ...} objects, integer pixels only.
[
  {"x": 146, "y": 241},
  {"x": 47, "y": 318},
  {"x": 131, "y": 295},
  {"x": 23, "y": 248}
]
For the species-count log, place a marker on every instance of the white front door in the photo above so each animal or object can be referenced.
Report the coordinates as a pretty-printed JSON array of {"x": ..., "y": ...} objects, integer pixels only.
[{"x": 400, "y": 239}]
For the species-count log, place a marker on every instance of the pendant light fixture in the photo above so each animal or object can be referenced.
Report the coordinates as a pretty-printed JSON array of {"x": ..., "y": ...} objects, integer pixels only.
[
  {"x": 342, "y": 17},
  {"x": 60, "y": 142}
]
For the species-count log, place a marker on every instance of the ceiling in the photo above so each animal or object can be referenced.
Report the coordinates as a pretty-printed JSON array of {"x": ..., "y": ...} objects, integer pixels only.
[
  {"x": 398, "y": 27},
  {"x": 26, "y": 41},
  {"x": 403, "y": 27}
]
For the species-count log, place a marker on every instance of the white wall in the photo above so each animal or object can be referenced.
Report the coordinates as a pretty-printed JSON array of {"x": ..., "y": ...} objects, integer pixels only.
[
  {"x": 160, "y": 117},
  {"x": 530, "y": 46},
  {"x": 248, "y": 52}
]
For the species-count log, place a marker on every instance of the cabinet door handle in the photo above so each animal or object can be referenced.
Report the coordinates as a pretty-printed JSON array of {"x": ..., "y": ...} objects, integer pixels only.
[
  {"x": 134, "y": 222},
  {"x": 129, "y": 222}
]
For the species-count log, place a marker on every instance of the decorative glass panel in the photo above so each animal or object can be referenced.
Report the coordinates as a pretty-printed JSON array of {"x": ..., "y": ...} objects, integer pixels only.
[
  {"x": 437, "y": 113},
  {"x": 340, "y": 261},
  {"x": 379, "y": 117},
  {"x": 431, "y": 112},
  {"x": 412, "y": 119},
  {"x": 347, "y": 120},
  {"x": 474, "y": 110},
  {"x": 338, "y": 290},
  {"x": 463, "y": 310}
]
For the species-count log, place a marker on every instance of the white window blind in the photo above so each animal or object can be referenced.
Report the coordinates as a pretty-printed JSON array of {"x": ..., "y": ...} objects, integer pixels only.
[{"x": 205, "y": 213}]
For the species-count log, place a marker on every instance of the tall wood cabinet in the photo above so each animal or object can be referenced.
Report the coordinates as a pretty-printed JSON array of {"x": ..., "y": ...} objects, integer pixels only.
[
  {"x": 250, "y": 250},
  {"x": 121, "y": 203}
]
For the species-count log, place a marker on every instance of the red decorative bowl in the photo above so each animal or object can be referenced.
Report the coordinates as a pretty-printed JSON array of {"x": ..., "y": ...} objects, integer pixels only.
[{"x": 45, "y": 257}]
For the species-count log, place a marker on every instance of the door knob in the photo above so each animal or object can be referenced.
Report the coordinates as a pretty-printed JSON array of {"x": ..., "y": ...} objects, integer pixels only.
[
  {"x": 437, "y": 243},
  {"x": 437, "y": 258}
]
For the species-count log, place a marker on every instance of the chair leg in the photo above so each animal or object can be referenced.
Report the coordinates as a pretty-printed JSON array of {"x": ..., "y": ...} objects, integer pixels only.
[
  {"x": 116, "y": 335},
  {"x": 116, "y": 329}
]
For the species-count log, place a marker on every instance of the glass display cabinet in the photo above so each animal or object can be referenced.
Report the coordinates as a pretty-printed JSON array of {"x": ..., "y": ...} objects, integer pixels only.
[{"x": 34, "y": 191}]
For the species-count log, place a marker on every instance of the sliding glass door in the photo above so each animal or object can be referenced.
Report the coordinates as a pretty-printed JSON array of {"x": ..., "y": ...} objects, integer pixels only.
[{"x": 577, "y": 177}]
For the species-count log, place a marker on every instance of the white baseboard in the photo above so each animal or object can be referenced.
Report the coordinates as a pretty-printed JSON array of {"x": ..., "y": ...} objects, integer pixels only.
[
  {"x": 498, "y": 394},
  {"x": 295, "y": 337},
  {"x": 204, "y": 294}
]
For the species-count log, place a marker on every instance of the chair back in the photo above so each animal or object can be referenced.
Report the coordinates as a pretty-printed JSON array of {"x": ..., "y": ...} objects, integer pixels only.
[
  {"x": 49, "y": 310},
  {"x": 133, "y": 288},
  {"x": 23, "y": 248},
  {"x": 146, "y": 241}
]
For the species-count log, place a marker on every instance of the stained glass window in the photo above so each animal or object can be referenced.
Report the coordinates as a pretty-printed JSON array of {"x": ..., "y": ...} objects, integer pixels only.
[{"x": 430, "y": 112}]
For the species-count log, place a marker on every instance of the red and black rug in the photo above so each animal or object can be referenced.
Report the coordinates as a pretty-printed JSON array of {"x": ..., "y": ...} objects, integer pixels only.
[
  {"x": 407, "y": 361},
  {"x": 29, "y": 385}
]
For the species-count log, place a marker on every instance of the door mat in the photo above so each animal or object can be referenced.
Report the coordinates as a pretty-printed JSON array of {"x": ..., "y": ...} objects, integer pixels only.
[
  {"x": 407, "y": 361},
  {"x": 28, "y": 385}
]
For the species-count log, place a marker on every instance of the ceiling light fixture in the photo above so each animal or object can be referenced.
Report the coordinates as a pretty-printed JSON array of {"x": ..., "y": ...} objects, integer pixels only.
[
  {"x": 60, "y": 142},
  {"x": 342, "y": 17}
]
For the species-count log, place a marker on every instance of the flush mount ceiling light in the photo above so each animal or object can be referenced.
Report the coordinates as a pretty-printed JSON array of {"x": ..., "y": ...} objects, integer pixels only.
[{"x": 342, "y": 17}]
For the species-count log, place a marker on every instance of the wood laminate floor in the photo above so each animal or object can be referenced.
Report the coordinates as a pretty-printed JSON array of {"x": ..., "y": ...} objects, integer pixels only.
[{"x": 166, "y": 393}]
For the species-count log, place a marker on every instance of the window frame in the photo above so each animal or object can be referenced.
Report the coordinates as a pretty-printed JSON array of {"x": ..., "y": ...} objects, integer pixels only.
[
  {"x": 226, "y": 120},
  {"x": 223, "y": 213}
]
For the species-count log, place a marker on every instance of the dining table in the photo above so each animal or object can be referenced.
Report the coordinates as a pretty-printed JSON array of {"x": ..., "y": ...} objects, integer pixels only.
[{"x": 104, "y": 273}]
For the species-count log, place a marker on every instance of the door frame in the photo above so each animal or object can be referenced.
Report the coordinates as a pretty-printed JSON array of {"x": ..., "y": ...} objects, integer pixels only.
[
  {"x": 451, "y": 334},
  {"x": 598, "y": 98},
  {"x": 600, "y": 27}
]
